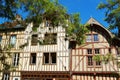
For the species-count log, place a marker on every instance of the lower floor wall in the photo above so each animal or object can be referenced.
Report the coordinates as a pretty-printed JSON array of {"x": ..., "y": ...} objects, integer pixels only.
[
  {"x": 95, "y": 77},
  {"x": 37, "y": 75},
  {"x": 45, "y": 75}
]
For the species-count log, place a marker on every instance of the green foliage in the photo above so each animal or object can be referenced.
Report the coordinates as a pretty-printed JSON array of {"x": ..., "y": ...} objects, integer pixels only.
[
  {"x": 5, "y": 54},
  {"x": 104, "y": 58},
  {"x": 97, "y": 58},
  {"x": 8, "y": 9},
  {"x": 76, "y": 30},
  {"x": 112, "y": 14}
]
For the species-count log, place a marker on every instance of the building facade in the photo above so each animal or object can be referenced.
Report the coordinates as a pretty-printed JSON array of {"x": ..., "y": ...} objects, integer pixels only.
[{"x": 44, "y": 54}]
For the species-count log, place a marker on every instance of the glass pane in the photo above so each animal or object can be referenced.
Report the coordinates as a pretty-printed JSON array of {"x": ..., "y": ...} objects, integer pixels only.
[
  {"x": 97, "y": 51},
  {"x": 90, "y": 61},
  {"x": 89, "y": 51},
  {"x": 33, "y": 58},
  {"x": 13, "y": 40},
  {"x": 34, "y": 39},
  {"x": 95, "y": 37},
  {"x": 46, "y": 57},
  {"x": 88, "y": 38},
  {"x": 53, "y": 57}
]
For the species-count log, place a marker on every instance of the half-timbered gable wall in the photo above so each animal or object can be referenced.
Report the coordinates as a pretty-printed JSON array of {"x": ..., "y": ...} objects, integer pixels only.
[
  {"x": 84, "y": 65},
  {"x": 58, "y": 46}
]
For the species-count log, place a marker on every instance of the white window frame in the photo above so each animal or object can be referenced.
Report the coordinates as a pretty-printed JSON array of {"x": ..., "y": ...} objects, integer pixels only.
[
  {"x": 16, "y": 59},
  {"x": 88, "y": 38},
  {"x": 6, "y": 76},
  {"x": 16, "y": 78}
]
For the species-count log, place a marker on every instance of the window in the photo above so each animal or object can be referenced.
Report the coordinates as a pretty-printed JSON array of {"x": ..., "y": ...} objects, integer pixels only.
[
  {"x": 91, "y": 37},
  {"x": 6, "y": 76},
  {"x": 0, "y": 39},
  {"x": 48, "y": 23},
  {"x": 33, "y": 58},
  {"x": 90, "y": 61},
  {"x": 95, "y": 37},
  {"x": 15, "y": 59},
  {"x": 16, "y": 78},
  {"x": 90, "y": 54},
  {"x": 97, "y": 51},
  {"x": 34, "y": 40},
  {"x": 88, "y": 38},
  {"x": 89, "y": 51},
  {"x": 50, "y": 38},
  {"x": 13, "y": 40},
  {"x": 49, "y": 58}
]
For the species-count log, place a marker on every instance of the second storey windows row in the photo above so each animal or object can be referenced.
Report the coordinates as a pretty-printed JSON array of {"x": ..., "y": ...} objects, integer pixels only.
[{"x": 48, "y": 58}]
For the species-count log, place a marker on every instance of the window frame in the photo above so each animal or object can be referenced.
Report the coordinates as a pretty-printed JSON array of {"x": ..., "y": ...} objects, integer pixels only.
[
  {"x": 95, "y": 38},
  {"x": 50, "y": 38},
  {"x": 34, "y": 40},
  {"x": 13, "y": 45},
  {"x": 16, "y": 58},
  {"x": 94, "y": 52},
  {"x": 4, "y": 76},
  {"x": 92, "y": 38},
  {"x": 31, "y": 58},
  {"x": 88, "y": 38},
  {"x": 50, "y": 59}
]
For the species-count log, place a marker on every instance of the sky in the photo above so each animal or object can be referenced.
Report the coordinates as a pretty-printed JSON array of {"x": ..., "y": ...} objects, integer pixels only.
[{"x": 86, "y": 9}]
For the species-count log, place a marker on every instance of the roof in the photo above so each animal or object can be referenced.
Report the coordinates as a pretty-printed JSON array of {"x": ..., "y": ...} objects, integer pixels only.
[
  {"x": 93, "y": 21},
  {"x": 11, "y": 25}
]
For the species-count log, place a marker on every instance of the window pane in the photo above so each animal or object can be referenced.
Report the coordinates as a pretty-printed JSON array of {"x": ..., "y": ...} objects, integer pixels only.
[
  {"x": 97, "y": 51},
  {"x": 95, "y": 37},
  {"x": 34, "y": 39},
  {"x": 53, "y": 57},
  {"x": 46, "y": 58},
  {"x": 13, "y": 40},
  {"x": 33, "y": 58},
  {"x": 88, "y": 38},
  {"x": 15, "y": 59},
  {"x": 89, "y": 51},
  {"x": 90, "y": 61},
  {"x": 6, "y": 76},
  {"x": 98, "y": 63}
]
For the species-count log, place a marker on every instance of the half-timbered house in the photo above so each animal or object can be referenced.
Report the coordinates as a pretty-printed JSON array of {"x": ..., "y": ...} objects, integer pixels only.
[
  {"x": 42, "y": 53},
  {"x": 87, "y": 62}
]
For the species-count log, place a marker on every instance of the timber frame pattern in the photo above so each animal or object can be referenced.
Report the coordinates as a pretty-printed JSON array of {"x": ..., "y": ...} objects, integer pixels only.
[{"x": 60, "y": 59}]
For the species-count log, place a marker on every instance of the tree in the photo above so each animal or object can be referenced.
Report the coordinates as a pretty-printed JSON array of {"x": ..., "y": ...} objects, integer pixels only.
[
  {"x": 8, "y": 9},
  {"x": 38, "y": 11},
  {"x": 53, "y": 11},
  {"x": 112, "y": 14}
]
